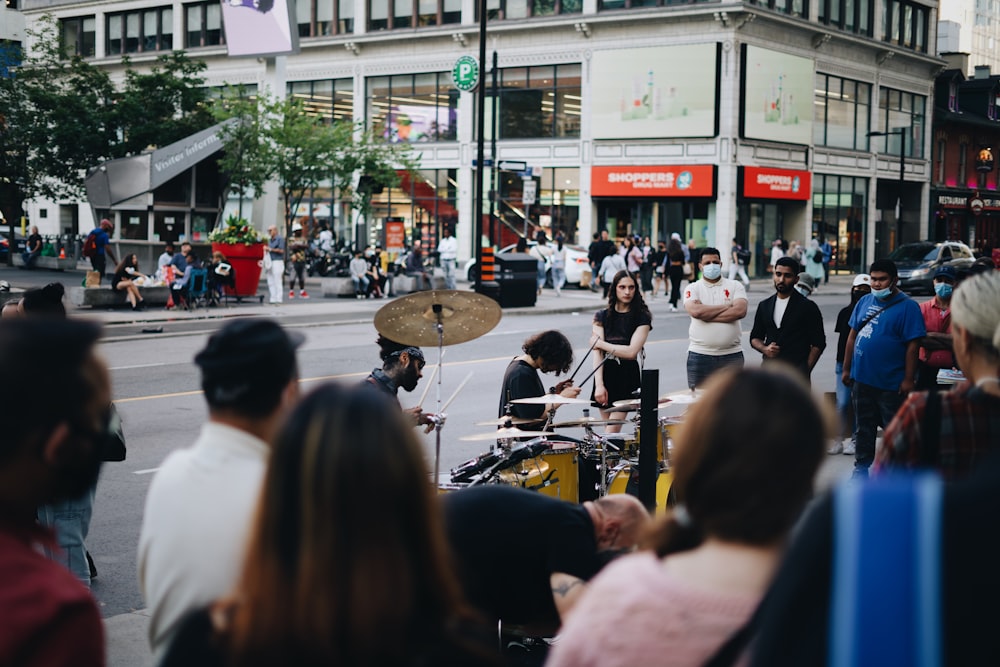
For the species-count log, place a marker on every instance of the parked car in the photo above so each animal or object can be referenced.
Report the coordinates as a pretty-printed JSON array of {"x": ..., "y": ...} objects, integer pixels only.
[
  {"x": 916, "y": 263},
  {"x": 576, "y": 262},
  {"x": 20, "y": 242}
]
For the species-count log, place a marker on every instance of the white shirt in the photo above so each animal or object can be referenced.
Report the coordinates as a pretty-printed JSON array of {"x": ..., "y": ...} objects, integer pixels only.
[
  {"x": 326, "y": 240},
  {"x": 196, "y": 525},
  {"x": 448, "y": 248},
  {"x": 779, "y": 310},
  {"x": 163, "y": 260},
  {"x": 715, "y": 338}
]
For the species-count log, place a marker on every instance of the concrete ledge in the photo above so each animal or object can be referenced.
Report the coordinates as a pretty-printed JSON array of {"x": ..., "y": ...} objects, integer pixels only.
[
  {"x": 54, "y": 263},
  {"x": 105, "y": 297},
  {"x": 333, "y": 288}
]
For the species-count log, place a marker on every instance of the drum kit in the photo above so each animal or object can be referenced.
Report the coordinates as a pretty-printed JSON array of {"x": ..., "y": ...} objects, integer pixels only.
[{"x": 547, "y": 460}]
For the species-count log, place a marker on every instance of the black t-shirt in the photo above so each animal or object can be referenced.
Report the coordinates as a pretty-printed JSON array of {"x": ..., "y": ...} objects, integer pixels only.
[
  {"x": 34, "y": 243},
  {"x": 507, "y": 542},
  {"x": 521, "y": 381},
  {"x": 843, "y": 328},
  {"x": 619, "y": 327}
]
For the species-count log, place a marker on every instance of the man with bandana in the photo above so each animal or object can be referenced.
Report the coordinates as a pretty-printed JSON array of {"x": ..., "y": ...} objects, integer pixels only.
[
  {"x": 51, "y": 451},
  {"x": 402, "y": 367}
]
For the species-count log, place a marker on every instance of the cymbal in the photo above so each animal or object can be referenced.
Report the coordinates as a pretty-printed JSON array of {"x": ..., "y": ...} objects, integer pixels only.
[
  {"x": 682, "y": 397},
  {"x": 590, "y": 421},
  {"x": 503, "y": 420},
  {"x": 551, "y": 398},
  {"x": 412, "y": 320},
  {"x": 503, "y": 433},
  {"x": 633, "y": 404}
]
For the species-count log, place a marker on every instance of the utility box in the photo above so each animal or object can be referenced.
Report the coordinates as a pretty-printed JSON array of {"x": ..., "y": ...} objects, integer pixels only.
[{"x": 517, "y": 274}]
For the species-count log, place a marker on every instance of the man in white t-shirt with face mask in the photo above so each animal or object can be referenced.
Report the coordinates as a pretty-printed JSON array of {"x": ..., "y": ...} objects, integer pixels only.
[{"x": 716, "y": 306}]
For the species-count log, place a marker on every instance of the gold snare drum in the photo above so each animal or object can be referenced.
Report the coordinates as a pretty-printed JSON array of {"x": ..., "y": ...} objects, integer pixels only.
[
  {"x": 553, "y": 473},
  {"x": 624, "y": 478}
]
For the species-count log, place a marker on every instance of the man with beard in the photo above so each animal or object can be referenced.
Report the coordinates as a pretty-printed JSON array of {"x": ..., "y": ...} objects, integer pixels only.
[
  {"x": 402, "y": 367},
  {"x": 788, "y": 327},
  {"x": 51, "y": 451}
]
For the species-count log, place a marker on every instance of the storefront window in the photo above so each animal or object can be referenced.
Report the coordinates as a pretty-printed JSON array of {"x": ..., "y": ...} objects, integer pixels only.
[
  {"x": 556, "y": 207},
  {"x": 425, "y": 201},
  {"x": 842, "y": 110},
  {"x": 134, "y": 225},
  {"x": 413, "y": 107},
  {"x": 537, "y": 102},
  {"x": 840, "y": 209},
  {"x": 329, "y": 99},
  {"x": 898, "y": 109}
]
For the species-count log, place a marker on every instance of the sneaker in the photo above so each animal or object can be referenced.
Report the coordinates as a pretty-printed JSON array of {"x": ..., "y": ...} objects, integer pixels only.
[
  {"x": 291, "y": 294},
  {"x": 848, "y": 446},
  {"x": 673, "y": 308},
  {"x": 303, "y": 295},
  {"x": 836, "y": 448}
]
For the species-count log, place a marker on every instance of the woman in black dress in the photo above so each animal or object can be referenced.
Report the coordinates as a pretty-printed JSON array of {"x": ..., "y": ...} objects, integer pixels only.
[
  {"x": 620, "y": 332},
  {"x": 674, "y": 266}
]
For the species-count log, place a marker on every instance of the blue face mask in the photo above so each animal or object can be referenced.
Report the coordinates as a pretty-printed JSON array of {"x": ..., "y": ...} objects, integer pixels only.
[
  {"x": 712, "y": 271},
  {"x": 943, "y": 290},
  {"x": 882, "y": 293}
]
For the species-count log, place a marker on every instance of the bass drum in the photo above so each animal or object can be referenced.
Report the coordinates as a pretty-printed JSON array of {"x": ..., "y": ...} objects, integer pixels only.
[
  {"x": 552, "y": 473},
  {"x": 624, "y": 478}
]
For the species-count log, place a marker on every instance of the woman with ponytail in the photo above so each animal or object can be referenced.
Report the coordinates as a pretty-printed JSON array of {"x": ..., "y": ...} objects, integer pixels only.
[
  {"x": 961, "y": 426},
  {"x": 743, "y": 465}
]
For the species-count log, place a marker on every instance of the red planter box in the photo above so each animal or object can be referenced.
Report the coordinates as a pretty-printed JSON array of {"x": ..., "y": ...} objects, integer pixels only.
[{"x": 246, "y": 261}]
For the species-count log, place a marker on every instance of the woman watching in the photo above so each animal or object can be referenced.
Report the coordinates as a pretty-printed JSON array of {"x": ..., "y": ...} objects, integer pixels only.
[
  {"x": 715, "y": 554},
  {"x": 126, "y": 273},
  {"x": 619, "y": 334},
  {"x": 336, "y": 574}
]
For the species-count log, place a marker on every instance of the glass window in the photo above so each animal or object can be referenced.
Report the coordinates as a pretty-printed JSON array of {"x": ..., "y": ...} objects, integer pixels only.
[
  {"x": 539, "y": 102},
  {"x": 167, "y": 29},
  {"x": 841, "y": 112},
  {"x": 203, "y": 24},
  {"x": 901, "y": 112},
  {"x": 213, "y": 24},
  {"x": 402, "y": 16},
  {"x": 79, "y": 36},
  {"x": 131, "y": 33},
  {"x": 413, "y": 108},
  {"x": 378, "y": 12},
  {"x": 303, "y": 17},
  {"x": 324, "y": 17},
  {"x": 345, "y": 16},
  {"x": 451, "y": 11},
  {"x": 332, "y": 100},
  {"x": 114, "y": 45}
]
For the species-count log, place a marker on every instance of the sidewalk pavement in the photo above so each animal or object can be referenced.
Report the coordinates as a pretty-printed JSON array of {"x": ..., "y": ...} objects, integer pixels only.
[{"x": 126, "y": 634}]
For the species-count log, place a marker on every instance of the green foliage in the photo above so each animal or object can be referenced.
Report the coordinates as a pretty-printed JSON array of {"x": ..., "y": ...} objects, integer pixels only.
[{"x": 235, "y": 230}]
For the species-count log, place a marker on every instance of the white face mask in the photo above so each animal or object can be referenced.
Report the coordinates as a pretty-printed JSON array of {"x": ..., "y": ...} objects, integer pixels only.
[
  {"x": 803, "y": 291},
  {"x": 712, "y": 271}
]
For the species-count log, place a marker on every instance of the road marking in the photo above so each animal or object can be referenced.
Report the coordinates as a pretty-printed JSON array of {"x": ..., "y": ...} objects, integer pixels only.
[
  {"x": 128, "y": 368},
  {"x": 147, "y": 471}
]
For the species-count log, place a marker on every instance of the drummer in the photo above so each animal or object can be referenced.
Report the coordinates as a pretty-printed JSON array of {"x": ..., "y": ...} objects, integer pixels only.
[
  {"x": 548, "y": 352},
  {"x": 402, "y": 367}
]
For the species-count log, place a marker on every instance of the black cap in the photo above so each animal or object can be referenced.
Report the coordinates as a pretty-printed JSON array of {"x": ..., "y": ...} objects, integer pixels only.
[{"x": 244, "y": 352}]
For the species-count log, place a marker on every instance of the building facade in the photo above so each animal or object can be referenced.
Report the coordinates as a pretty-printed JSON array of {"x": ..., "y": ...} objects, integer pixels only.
[
  {"x": 972, "y": 27},
  {"x": 714, "y": 120}
]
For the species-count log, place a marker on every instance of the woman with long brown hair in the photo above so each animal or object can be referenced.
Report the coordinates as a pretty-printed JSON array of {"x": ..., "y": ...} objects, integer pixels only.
[
  {"x": 347, "y": 564},
  {"x": 743, "y": 465}
]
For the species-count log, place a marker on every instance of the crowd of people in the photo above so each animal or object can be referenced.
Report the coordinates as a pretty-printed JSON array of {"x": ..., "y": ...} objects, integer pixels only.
[{"x": 299, "y": 562}]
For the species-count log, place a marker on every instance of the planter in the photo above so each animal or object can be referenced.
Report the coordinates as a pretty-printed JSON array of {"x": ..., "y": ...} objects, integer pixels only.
[{"x": 245, "y": 260}]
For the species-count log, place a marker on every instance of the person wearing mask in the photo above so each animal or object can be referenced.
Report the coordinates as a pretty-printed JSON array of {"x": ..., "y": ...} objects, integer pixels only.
[
  {"x": 415, "y": 268},
  {"x": 880, "y": 360},
  {"x": 936, "y": 348},
  {"x": 716, "y": 306},
  {"x": 358, "y": 269},
  {"x": 715, "y": 553},
  {"x": 298, "y": 245},
  {"x": 541, "y": 251},
  {"x": 843, "y": 442},
  {"x": 776, "y": 253},
  {"x": 166, "y": 258}
]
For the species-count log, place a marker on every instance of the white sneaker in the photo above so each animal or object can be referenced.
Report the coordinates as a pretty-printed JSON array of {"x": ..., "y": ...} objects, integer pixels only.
[
  {"x": 836, "y": 448},
  {"x": 848, "y": 446},
  {"x": 673, "y": 308}
]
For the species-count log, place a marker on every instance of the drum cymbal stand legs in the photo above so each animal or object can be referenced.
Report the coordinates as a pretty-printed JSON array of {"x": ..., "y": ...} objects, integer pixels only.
[{"x": 439, "y": 420}]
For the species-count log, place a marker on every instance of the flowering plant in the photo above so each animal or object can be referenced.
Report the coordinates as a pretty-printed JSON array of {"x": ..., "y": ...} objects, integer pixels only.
[{"x": 235, "y": 230}]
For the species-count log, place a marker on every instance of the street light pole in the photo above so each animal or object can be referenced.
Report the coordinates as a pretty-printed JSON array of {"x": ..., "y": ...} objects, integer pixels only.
[{"x": 901, "y": 131}]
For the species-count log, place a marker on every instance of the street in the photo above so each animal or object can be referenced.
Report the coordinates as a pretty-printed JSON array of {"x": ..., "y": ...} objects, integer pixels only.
[{"x": 156, "y": 386}]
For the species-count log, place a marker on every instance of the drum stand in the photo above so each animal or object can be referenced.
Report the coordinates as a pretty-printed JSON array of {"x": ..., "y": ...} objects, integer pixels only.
[
  {"x": 594, "y": 438},
  {"x": 439, "y": 417}
]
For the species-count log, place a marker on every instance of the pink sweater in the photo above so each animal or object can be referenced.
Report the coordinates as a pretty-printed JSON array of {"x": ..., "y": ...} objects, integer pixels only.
[{"x": 635, "y": 613}]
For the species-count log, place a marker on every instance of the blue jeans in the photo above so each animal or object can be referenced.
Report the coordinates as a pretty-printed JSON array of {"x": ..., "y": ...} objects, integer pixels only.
[
  {"x": 71, "y": 521},
  {"x": 700, "y": 366},
  {"x": 360, "y": 284},
  {"x": 29, "y": 258},
  {"x": 873, "y": 407},
  {"x": 843, "y": 400}
]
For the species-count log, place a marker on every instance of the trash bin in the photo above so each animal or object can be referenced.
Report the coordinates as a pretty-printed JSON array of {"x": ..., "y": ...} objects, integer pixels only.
[{"x": 517, "y": 274}]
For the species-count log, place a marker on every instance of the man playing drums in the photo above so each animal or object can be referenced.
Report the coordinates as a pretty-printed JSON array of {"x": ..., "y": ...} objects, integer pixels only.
[
  {"x": 402, "y": 366},
  {"x": 548, "y": 351}
]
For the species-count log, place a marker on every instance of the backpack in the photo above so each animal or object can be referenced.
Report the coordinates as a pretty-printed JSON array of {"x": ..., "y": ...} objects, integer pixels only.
[
  {"x": 743, "y": 256},
  {"x": 89, "y": 246},
  {"x": 818, "y": 256}
]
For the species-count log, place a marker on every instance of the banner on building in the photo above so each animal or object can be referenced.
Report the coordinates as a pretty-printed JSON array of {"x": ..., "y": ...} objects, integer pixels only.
[
  {"x": 777, "y": 96},
  {"x": 259, "y": 27},
  {"x": 653, "y": 181},
  {"x": 763, "y": 183}
]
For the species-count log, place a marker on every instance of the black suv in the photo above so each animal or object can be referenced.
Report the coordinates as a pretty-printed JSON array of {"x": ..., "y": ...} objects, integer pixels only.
[{"x": 917, "y": 262}]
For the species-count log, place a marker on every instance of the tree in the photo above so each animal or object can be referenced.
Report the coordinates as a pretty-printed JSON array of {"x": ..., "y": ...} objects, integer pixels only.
[{"x": 247, "y": 156}]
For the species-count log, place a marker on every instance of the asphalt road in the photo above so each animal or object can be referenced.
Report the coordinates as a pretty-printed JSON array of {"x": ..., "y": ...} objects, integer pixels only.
[{"x": 157, "y": 392}]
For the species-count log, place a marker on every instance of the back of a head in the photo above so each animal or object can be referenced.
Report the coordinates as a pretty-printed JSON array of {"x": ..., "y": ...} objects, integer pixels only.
[
  {"x": 246, "y": 366},
  {"x": 632, "y": 517},
  {"x": 45, "y": 301},
  {"x": 349, "y": 547},
  {"x": 43, "y": 360},
  {"x": 975, "y": 306},
  {"x": 744, "y": 460}
]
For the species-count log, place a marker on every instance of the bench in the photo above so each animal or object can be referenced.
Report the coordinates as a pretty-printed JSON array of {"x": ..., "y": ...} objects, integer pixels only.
[
  {"x": 333, "y": 288},
  {"x": 105, "y": 297},
  {"x": 53, "y": 263}
]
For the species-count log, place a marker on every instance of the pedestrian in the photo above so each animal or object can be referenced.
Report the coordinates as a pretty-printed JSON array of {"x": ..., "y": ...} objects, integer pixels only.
[
  {"x": 656, "y": 258},
  {"x": 716, "y": 306},
  {"x": 954, "y": 431},
  {"x": 358, "y": 269},
  {"x": 673, "y": 266},
  {"x": 788, "y": 327},
  {"x": 827, "y": 258},
  {"x": 331, "y": 575},
  {"x": 448, "y": 256},
  {"x": 98, "y": 244},
  {"x": 415, "y": 268},
  {"x": 51, "y": 452},
  {"x": 714, "y": 554},
  {"x": 542, "y": 252},
  {"x": 276, "y": 272},
  {"x": 202, "y": 500},
  {"x": 813, "y": 257},
  {"x": 776, "y": 253},
  {"x": 936, "y": 348},
  {"x": 634, "y": 257},
  {"x": 298, "y": 246},
  {"x": 595, "y": 257},
  {"x": 32, "y": 248},
  {"x": 843, "y": 441},
  {"x": 618, "y": 342},
  {"x": 166, "y": 258},
  {"x": 611, "y": 265},
  {"x": 880, "y": 359},
  {"x": 806, "y": 285},
  {"x": 737, "y": 264},
  {"x": 558, "y": 266},
  {"x": 646, "y": 268}
]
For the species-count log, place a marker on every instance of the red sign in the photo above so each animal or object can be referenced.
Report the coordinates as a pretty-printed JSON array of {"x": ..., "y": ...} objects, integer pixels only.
[
  {"x": 761, "y": 183},
  {"x": 395, "y": 236},
  {"x": 656, "y": 181},
  {"x": 977, "y": 205}
]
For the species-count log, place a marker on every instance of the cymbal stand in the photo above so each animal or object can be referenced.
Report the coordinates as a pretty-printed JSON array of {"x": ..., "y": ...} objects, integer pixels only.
[
  {"x": 438, "y": 419},
  {"x": 604, "y": 443}
]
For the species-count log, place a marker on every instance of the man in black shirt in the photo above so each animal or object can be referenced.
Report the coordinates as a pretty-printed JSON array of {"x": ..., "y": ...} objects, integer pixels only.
[
  {"x": 547, "y": 351},
  {"x": 32, "y": 248},
  {"x": 524, "y": 558},
  {"x": 402, "y": 366}
]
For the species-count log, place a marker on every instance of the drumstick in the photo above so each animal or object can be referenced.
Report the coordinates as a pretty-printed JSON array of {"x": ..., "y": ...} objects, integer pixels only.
[
  {"x": 584, "y": 359},
  {"x": 427, "y": 386},
  {"x": 467, "y": 378}
]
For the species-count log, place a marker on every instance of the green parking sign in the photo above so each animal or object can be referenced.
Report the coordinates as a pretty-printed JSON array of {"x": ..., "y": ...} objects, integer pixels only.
[{"x": 465, "y": 73}]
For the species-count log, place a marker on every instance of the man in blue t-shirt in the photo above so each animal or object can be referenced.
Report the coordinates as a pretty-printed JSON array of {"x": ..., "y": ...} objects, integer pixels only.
[
  {"x": 102, "y": 247},
  {"x": 880, "y": 360}
]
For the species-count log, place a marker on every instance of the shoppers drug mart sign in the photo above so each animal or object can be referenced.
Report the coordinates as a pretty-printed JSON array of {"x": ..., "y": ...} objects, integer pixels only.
[
  {"x": 653, "y": 181},
  {"x": 761, "y": 183}
]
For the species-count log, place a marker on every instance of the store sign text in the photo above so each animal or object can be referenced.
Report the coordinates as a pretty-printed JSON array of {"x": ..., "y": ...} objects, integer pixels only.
[
  {"x": 653, "y": 181},
  {"x": 761, "y": 183}
]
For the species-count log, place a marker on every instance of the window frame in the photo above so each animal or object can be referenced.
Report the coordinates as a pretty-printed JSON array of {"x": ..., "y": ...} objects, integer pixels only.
[
  {"x": 335, "y": 21},
  {"x": 854, "y": 16},
  {"x": 905, "y": 24},
  {"x": 894, "y": 103},
  {"x": 203, "y": 29},
  {"x": 81, "y": 36},
  {"x": 442, "y": 16},
  {"x": 142, "y": 37},
  {"x": 443, "y": 91},
  {"x": 799, "y": 8},
  {"x": 860, "y": 141}
]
